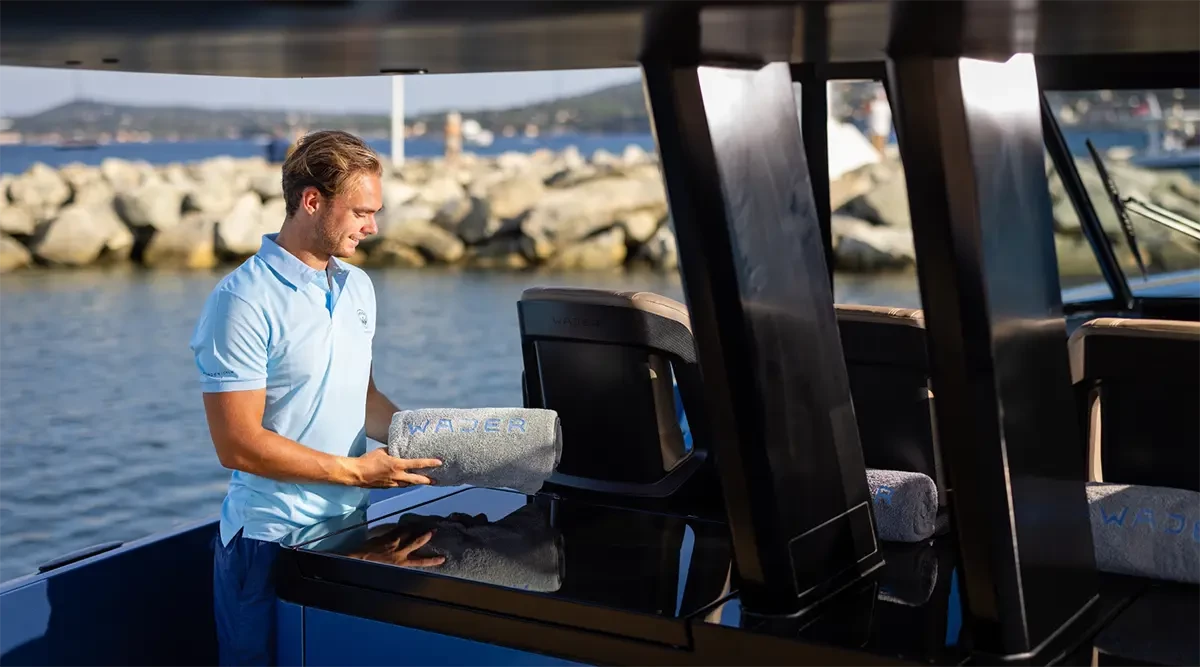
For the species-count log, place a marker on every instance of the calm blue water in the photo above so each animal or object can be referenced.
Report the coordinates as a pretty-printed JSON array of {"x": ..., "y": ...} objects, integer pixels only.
[{"x": 16, "y": 159}]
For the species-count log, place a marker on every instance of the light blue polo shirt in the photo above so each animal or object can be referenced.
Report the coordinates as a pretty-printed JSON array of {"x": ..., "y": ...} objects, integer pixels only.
[{"x": 276, "y": 323}]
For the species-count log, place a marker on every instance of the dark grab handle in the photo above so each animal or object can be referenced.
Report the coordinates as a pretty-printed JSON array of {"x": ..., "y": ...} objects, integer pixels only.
[{"x": 78, "y": 555}]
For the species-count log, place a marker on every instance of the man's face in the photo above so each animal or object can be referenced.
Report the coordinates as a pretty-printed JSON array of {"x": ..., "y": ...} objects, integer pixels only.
[{"x": 349, "y": 217}]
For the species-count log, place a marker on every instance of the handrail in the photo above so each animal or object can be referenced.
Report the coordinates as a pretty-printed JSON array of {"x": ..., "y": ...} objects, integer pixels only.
[{"x": 78, "y": 555}]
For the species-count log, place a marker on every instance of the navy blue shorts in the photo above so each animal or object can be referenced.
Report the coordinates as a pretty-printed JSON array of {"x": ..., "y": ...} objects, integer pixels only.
[{"x": 244, "y": 600}]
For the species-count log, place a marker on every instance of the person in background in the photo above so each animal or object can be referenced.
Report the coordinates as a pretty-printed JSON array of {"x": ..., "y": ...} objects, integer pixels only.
[
  {"x": 283, "y": 353},
  {"x": 880, "y": 120}
]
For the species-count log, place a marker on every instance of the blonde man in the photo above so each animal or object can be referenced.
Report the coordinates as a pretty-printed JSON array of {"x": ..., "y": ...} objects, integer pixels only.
[{"x": 283, "y": 350}]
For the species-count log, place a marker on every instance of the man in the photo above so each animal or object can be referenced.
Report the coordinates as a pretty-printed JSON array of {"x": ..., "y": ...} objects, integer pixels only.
[{"x": 283, "y": 347}]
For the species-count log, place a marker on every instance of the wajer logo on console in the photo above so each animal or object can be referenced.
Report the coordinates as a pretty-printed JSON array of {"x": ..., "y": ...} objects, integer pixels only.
[{"x": 493, "y": 425}]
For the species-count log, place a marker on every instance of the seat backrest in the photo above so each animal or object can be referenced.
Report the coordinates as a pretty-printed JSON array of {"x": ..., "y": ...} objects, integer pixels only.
[
  {"x": 888, "y": 367},
  {"x": 1140, "y": 384},
  {"x": 607, "y": 363}
]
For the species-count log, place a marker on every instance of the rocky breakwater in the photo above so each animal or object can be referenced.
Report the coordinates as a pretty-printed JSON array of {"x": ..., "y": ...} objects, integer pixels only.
[
  {"x": 514, "y": 211},
  {"x": 872, "y": 230}
]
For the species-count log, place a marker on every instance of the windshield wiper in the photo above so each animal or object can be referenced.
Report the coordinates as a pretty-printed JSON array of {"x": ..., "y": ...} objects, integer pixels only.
[{"x": 1114, "y": 197}]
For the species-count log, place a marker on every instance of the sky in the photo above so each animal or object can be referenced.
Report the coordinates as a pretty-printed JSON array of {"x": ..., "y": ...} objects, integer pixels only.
[{"x": 26, "y": 90}]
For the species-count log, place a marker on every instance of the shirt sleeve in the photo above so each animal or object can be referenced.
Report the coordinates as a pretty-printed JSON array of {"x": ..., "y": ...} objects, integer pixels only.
[{"x": 230, "y": 345}]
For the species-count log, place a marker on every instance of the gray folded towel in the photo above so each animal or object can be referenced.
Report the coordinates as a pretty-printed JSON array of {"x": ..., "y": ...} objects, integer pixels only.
[
  {"x": 521, "y": 551},
  {"x": 1147, "y": 531},
  {"x": 906, "y": 505},
  {"x": 513, "y": 448}
]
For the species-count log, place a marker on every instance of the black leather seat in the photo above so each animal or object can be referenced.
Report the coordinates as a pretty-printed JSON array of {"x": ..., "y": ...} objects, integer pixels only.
[
  {"x": 1140, "y": 383},
  {"x": 888, "y": 367},
  {"x": 606, "y": 362}
]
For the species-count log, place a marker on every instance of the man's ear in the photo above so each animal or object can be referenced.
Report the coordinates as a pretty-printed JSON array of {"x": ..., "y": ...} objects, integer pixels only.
[{"x": 310, "y": 200}]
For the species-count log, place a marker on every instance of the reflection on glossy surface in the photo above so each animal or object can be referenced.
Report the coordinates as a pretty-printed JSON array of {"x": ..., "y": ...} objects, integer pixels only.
[
  {"x": 910, "y": 608},
  {"x": 636, "y": 561},
  {"x": 521, "y": 550}
]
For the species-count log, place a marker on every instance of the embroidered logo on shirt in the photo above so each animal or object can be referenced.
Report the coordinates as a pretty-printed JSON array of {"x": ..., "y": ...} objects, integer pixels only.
[{"x": 362, "y": 317}]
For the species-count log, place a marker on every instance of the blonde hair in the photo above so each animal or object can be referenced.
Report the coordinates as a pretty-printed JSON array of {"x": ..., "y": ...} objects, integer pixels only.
[{"x": 325, "y": 160}]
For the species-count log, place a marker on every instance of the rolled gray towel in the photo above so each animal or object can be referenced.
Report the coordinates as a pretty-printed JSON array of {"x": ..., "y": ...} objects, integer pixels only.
[
  {"x": 521, "y": 551},
  {"x": 512, "y": 448},
  {"x": 1146, "y": 531},
  {"x": 906, "y": 505}
]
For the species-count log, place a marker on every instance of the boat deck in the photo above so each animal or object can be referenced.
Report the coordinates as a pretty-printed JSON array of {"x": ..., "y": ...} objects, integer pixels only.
[{"x": 590, "y": 583}]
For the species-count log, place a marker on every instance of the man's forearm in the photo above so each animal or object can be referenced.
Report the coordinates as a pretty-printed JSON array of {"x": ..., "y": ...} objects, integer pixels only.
[
  {"x": 379, "y": 414},
  {"x": 268, "y": 454}
]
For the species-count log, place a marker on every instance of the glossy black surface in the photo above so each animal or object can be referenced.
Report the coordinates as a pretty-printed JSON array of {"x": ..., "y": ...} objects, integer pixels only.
[
  {"x": 637, "y": 574},
  {"x": 972, "y": 149},
  {"x": 909, "y": 609},
  {"x": 761, "y": 307}
]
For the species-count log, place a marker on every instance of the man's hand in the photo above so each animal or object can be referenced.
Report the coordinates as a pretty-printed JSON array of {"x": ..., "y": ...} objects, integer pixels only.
[
  {"x": 397, "y": 549},
  {"x": 378, "y": 470}
]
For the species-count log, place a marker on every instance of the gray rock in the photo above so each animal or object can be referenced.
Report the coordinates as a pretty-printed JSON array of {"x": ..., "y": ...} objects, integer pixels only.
[
  {"x": 572, "y": 214},
  {"x": 80, "y": 176},
  {"x": 479, "y": 224},
  {"x": 206, "y": 197},
  {"x": 397, "y": 193},
  {"x": 502, "y": 252},
  {"x": 17, "y": 221},
  {"x": 511, "y": 198},
  {"x": 394, "y": 253},
  {"x": 605, "y": 250},
  {"x": 155, "y": 204},
  {"x": 635, "y": 154},
  {"x": 274, "y": 212},
  {"x": 41, "y": 190},
  {"x": 178, "y": 175},
  {"x": 187, "y": 245},
  {"x": 239, "y": 232},
  {"x": 13, "y": 255},
  {"x": 860, "y": 246},
  {"x": 81, "y": 234},
  {"x": 603, "y": 158},
  {"x": 640, "y": 226},
  {"x": 268, "y": 184},
  {"x": 95, "y": 193},
  {"x": 885, "y": 203},
  {"x": 437, "y": 243},
  {"x": 661, "y": 251},
  {"x": 122, "y": 175}
]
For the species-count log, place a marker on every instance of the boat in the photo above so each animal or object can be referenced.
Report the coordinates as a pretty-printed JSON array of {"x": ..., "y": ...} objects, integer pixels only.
[{"x": 758, "y": 543}]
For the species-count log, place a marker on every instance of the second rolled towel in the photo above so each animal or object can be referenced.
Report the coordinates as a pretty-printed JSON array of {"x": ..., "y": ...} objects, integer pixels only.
[
  {"x": 906, "y": 505},
  {"x": 1146, "y": 531},
  {"x": 511, "y": 448}
]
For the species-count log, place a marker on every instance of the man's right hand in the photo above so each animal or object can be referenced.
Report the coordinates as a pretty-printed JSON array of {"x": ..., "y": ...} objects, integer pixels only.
[{"x": 378, "y": 470}]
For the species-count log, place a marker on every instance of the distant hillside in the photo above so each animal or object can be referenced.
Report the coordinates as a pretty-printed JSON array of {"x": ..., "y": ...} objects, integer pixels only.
[{"x": 613, "y": 109}]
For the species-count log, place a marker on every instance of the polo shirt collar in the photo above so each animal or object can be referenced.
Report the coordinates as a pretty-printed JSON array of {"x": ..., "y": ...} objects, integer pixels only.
[{"x": 290, "y": 268}]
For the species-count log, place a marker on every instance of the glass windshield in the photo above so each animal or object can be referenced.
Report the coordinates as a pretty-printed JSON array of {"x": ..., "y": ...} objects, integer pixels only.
[{"x": 1147, "y": 144}]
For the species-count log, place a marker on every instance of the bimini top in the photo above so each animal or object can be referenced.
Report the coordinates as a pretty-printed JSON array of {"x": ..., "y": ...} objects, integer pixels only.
[{"x": 310, "y": 38}]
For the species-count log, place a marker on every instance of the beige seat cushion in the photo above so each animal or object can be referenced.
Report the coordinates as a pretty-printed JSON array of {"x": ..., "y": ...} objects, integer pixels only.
[
  {"x": 1123, "y": 327},
  {"x": 911, "y": 317},
  {"x": 644, "y": 301}
]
